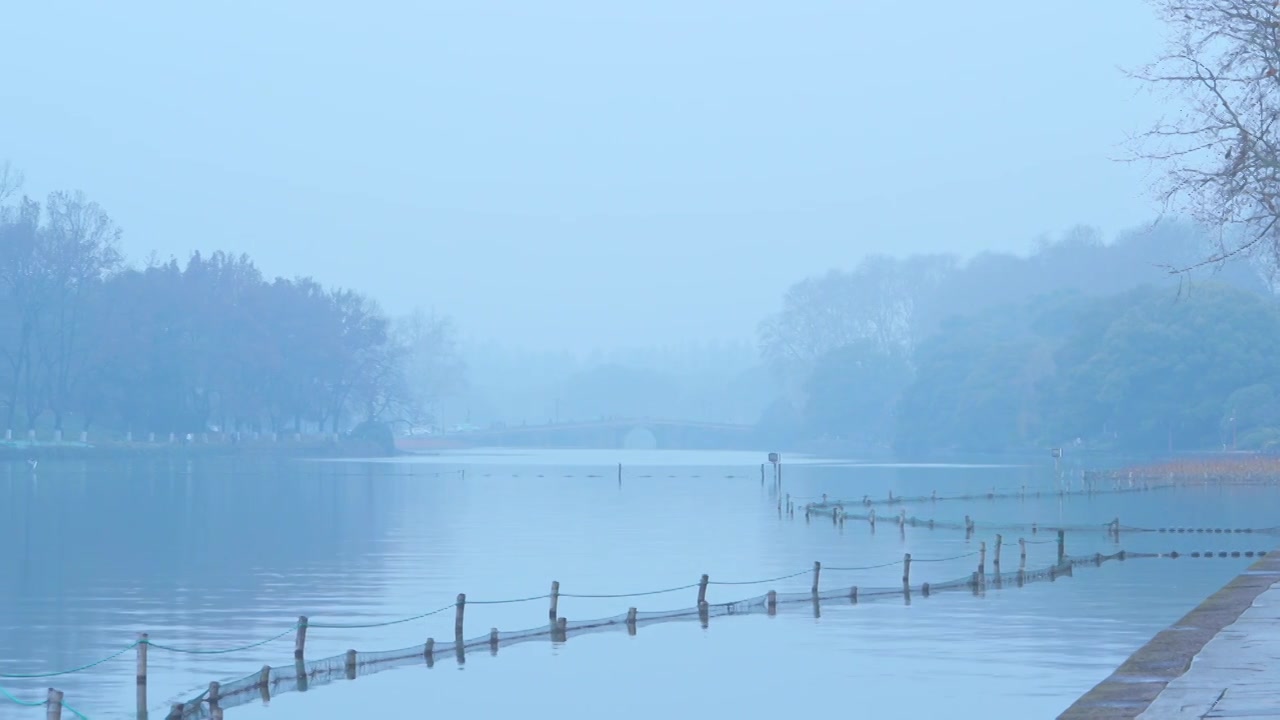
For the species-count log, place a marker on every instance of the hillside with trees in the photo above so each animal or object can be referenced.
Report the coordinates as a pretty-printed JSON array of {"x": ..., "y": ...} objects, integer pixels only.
[
  {"x": 88, "y": 340},
  {"x": 1081, "y": 342}
]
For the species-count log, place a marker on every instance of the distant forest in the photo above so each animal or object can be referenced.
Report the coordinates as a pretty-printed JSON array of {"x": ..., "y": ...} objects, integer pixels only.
[
  {"x": 1080, "y": 343},
  {"x": 87, "y": 340}
]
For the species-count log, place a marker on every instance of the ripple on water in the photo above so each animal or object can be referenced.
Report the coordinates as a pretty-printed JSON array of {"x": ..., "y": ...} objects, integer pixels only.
[{"x": 213, "y": 556}]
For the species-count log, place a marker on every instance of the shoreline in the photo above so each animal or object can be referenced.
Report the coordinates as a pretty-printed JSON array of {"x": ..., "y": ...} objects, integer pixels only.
[
  {"x": 1138, "y": 681},
  {"x": 1222, "y": 469},
  {"x": 41, "y": 451}
]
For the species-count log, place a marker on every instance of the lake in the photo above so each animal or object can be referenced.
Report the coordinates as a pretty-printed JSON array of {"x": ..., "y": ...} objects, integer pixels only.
[{"x": 217, "y": 554}]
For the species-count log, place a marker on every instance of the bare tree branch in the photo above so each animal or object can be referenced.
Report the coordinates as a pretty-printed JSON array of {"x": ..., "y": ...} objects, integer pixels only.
[
  {"x": 1220, "y": 156},
  {"x": 10, "y": 181}
]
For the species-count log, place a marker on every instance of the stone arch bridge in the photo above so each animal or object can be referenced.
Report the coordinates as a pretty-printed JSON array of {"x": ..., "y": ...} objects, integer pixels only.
[{"x": 610, "y": 434}]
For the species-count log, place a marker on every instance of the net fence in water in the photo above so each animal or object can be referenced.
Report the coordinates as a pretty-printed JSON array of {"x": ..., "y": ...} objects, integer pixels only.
[
  {"x": 303, "y": 675},
  {"x": 838, "y": 515}
]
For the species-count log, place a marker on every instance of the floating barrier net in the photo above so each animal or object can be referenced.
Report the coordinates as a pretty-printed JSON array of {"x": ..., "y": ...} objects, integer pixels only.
[{"x": 304, "y": 675}]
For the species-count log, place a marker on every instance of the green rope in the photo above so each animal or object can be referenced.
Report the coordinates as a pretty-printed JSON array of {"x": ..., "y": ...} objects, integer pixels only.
[
  {"x": 76, "y": 712},
  {"x": 759, "y": 582},
  {"x": 23, "y": 703},
  {"x": 32, "y": 676},
  {"x": 360, "y": 626},
  {"x": 186, "y": 651},
  {"x": 631, "y": 595}
]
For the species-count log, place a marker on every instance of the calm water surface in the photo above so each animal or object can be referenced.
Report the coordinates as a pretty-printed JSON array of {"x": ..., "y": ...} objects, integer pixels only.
[{"x": 210, "y": 555}]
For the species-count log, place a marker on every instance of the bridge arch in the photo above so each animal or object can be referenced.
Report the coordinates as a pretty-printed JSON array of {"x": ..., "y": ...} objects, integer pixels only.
[{"x": 640, "y": 438}]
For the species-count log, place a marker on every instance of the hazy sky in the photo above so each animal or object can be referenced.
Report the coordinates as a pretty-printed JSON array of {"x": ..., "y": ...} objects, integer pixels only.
[{"x": 575, "y": 172}]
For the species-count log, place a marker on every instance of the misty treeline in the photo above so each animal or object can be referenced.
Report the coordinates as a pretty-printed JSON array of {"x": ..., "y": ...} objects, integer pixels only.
[
  {"x": 708, "y": 381},
  {"x": 1081, "y": 342},
  {"x": 87, "y": 340}
]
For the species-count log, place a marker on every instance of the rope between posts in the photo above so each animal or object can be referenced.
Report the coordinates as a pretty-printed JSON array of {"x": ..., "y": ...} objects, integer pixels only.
[
  {"x": 59, "y": 673},
  {"x": 866, "y": 567},
  {"x": 508, "y": 602},
  {"x": 957, "y": 557},
  {"x": 24, "y": 703},
  {"x": 759, "y": 582},
  {"x": 630, "y": 595},
  {"x": 188, "y": 651},
  {"x": 359, "y": 626}
]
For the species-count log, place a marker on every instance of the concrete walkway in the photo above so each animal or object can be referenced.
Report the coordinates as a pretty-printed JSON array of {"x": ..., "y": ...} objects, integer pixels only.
[
  {"x": 1236, "y": 675},
  {"x": 1221, "y": 660}
]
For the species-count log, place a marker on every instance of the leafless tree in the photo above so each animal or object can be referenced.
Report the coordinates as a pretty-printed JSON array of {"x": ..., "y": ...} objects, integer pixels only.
[
  {"x": 433, "y": 369},
  {"x": 1219, "y": 153},
  {"x": 78, "y": 247},
  {"x": 10, "y": 182}
]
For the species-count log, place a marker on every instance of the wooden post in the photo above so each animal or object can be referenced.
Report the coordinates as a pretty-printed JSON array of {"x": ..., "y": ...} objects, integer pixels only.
[
  {"x": 1062, "y": 546},
  {"x": 762, "y": 474},
  {"x": 631, "y": 621},
  {"x": 457, "y": 617},
  {"x": 142, "y": 675},
  {"x": 300, "y": 640},
  {"x": 619, "y": 473},
  {"x": 214, "y": 696},
  {"x": 300, "y": 672},
  {"x": 982, "y": 557},
  {"x": 351, "y": 665},
  {"x": 702, "y": 590},
  {"x": 1022, "y": 554},
  {"x": 853, "y": 594},
  {"x": 429, "y": 650},
  {"x": 264, "y": 683},
  {"x": 562, "y": 626},
  {"x": 906, "y": 569},
  {"x": 817, "y": 571},
  {"x": 999, "y": 542},
  {"x": 924, "y": 589},
  {"x": 493, "y": 640},
  {"x": 555, "y": 599},
  {"x": 53, "y": 705},
  {"x": 771, "y": 602}
]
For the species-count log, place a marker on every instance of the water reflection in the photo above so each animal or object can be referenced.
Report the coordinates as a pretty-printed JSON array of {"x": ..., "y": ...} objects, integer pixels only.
[{"x": 218, "y": 554}]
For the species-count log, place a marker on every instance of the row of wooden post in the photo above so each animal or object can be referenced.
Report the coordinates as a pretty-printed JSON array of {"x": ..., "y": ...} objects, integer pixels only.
[{"x": 559, "y": 630}]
